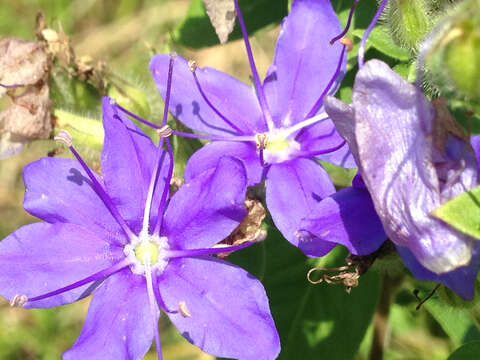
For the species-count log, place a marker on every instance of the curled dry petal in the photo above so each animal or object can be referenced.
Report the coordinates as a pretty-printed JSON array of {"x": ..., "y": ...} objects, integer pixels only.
[{"x": 410, "y": 163}]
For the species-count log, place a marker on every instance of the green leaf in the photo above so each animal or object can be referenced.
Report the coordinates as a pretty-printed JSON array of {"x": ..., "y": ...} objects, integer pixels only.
[
  {"x": 458, "y": 323},
  {"x": 462, "y": 212},
  {"x": 381, "y": 40},
  {"x": 314, "y": 321},
  {"x": 196, "y": 31},
  {"x": 340, "y": 176},
  {"x": 468, "y": 351},
  {"x": 183, "y": 148}
]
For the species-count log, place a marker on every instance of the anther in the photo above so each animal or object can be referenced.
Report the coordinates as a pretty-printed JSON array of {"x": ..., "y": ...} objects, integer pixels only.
[
  {"x": 347, "y": 42},
  {"x": 261, "y": 140},
  {"x": 182, "y": 309},
  {"x": 64, "y": 137},
  {"x": 192, "y": 65},
  {"x": 18, "y": 301},
  {"x": 173, "y": 55},
  {"x": 165, "y": 131}
]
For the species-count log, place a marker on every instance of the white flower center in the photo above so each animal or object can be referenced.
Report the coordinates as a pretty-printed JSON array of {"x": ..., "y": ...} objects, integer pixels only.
[
  {"x": 279, "y": 146},
  {"x": 147, "y": 248}
]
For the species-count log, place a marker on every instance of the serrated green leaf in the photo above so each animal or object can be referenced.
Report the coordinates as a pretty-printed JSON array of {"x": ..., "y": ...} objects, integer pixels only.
[
  {"x": 196, "y": 31},
  {"x": 314, "y": 321},
  {"x": 470, "y": 351},
  {"x": 462, "y": 212},
  {"x": 382, "y": 41}
]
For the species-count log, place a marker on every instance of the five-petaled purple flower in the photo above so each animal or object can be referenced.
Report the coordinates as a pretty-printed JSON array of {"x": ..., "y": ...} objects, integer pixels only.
[
  {"x": 278, "y": 129},
  {"x": 410, "y": 165},
  {"x": 120, "y": 237}
]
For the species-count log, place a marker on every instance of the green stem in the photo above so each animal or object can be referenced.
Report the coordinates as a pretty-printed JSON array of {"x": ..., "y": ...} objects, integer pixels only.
[{"x": 380, "y": 320}]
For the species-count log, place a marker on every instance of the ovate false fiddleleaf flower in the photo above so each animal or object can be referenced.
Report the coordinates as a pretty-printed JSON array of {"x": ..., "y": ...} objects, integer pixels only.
[
  {"x": 278, "y": 129},
  {"x": 411, "y": 163},
  {"x": 122, "y": 238}
]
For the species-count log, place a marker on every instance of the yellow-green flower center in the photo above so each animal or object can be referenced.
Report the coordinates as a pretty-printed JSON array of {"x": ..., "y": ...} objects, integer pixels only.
[
  {"x": 276, "y": 144},
  {"x": 147, "y": 250}
]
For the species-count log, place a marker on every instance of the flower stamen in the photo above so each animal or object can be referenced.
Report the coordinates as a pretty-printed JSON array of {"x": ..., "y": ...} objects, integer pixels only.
[
  {"x": 171, "y": 254},
  {"x": 164, "y": 131},
  {"x": 347, "y": 27},
  {"x": 64, "y": 137},
  {"x": 318, "y": 104},
  {"x": 361, "y": 49},
  {"x": 256, "y": 78},
  {"x": 192, "y": 65},
  {"x": 12, "y": 86},
  {"x": 154, "y": 311},
  {"x": 102, "y": 274}
]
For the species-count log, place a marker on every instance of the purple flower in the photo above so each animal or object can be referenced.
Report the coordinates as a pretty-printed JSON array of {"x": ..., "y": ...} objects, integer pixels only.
[
  {"x": 279, "y": 128},
  {"x": 410, "y": 166},
  {"x": 120, "y": 237},
  {"x": 348, "y": 217}
]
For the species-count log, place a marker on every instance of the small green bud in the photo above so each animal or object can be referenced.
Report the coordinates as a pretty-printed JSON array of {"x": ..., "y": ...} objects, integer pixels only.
[
  {"x": 410, "y": 21},
  {"x": 462, "y": 58},
  {"x": 130, "y": 98},
  {"x": 84, "y": 130},
  {"x": 453, "y": 59}
]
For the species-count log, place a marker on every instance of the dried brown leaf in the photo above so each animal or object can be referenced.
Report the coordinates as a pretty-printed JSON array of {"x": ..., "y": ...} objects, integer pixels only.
[
  {"x": 222, "y": 17},
  {"x": 27, "y": 117},
  {"x": 250, "y": 227},
  {"x": 21, "y": 62}
]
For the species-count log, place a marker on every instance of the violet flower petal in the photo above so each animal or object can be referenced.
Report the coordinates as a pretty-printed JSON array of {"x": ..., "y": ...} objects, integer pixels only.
[
  {"x": 229, "y": 311},
  {"x": 292, "y": 191},
  {"x": 207, "y": 209},
  {"x": 231, "y": 97},
  {"x": 58, "y": 190},
  {"x": 208, "y": 156},
  {"x": 348, "y": 218},
  {"x": 460, "y": 280},
  {"x": 304, "y": 61},
  {"x": 323, "y": 135},
  {"x": 398, "y": 163},
  {"x": 118, "y": 324},
  {"x": 128, "y": 157},
  {"x": 39, "y": 258}
]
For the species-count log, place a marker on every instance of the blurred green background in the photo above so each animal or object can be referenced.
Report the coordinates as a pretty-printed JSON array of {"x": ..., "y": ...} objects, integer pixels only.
[{"x": 123, "y": 34}]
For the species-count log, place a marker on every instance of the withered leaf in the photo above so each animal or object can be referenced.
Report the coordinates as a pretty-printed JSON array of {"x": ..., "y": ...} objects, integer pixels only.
[
  {"x": 250, "y": 227},
  {"x": 27, "y": 112},
  {"x": 21, "y": 62},
  {"x": 222, "y": 17}
]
